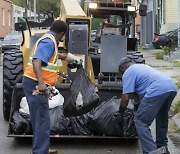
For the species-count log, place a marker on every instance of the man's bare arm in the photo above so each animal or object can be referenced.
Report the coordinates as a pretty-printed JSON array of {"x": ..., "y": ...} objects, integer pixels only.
[
  {"x": 69, "y": 57},
  {"x": 62, "y": 56},
  {"x": 125, "y": 100}
]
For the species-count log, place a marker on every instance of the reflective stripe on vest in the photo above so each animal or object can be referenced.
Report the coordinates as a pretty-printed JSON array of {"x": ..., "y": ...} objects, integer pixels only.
[
  {"x": 49, "y": 72},
  {"x": 50, "y": 67}
]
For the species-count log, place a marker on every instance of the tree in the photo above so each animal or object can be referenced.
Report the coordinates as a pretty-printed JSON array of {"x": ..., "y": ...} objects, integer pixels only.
[
  {"x": 46, "y": 6},
  {"x": 43, "y": 6},
  {"x": 21, "y": 3}
]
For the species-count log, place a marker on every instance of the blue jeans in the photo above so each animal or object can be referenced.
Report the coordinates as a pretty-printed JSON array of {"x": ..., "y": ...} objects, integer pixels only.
[
  {"x": 39, "y": 114},
  {"x": 149, "y": 109}
]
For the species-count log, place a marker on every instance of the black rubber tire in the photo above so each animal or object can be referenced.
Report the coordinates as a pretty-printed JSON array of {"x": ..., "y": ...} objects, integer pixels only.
[
  {"x": 137, "y": 59},
  {"x": 12, "y": 73},
  {"x": 135, "y": 53}
]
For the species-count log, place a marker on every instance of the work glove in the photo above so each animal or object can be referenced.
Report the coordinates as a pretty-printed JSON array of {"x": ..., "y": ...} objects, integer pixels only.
[
  {"x": 49, "y": 92},
  {"x": 72, "y": 58},
  {"x": 43, "y": 92},
  {"x": 120, "y": 114}
]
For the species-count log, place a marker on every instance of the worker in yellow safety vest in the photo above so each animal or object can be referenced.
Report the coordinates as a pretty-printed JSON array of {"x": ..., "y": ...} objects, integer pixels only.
[{"x": 41, "y": 72}]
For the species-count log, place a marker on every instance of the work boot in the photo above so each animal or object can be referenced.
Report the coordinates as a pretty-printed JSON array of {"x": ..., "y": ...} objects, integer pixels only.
[
  {"x": 51, "y": 151},
  {"x": 162, "y": 150}
]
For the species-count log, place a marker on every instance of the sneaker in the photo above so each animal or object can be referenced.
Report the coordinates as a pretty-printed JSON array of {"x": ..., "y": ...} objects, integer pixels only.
[
  {"x": 51, "y": 151},
  {"x": 162, "y": 150}
]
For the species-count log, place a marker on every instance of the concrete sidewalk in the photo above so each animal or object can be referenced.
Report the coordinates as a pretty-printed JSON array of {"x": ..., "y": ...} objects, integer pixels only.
[
  {"x": 162, "y": 65},
  {"x": 167, "y": 67}
]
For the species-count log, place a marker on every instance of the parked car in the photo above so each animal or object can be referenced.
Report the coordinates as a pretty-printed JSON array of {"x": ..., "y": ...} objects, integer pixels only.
[
  {"x": 93, "y": 35},
  {"x": 11, "y": 41},
  {"x": 166, "y": 39},
  {"x": 1, "y": 39}
]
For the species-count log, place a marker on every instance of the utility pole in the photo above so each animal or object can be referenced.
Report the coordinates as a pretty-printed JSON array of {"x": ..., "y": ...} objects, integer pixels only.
[
  {"x": 29, "y": 9},
  {"x": 179, "y": 23},
  {"x": 133, "y": 27},
  {"x": 35, "y": 10},
  {"x": 143, "y": 27},
  {"x": 26, "y": 5},
  {"x": 38, "y": 10}
]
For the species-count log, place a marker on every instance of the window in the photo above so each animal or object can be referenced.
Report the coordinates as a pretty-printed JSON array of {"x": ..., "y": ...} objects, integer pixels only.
[
  {"x": 9, "y": 18},
  {"x": 162, "y": 11},
  {"x": 3, "y": 18}
]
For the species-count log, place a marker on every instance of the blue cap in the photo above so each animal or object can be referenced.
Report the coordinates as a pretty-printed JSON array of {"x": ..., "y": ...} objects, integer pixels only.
[{"x": 124, "y": 60}]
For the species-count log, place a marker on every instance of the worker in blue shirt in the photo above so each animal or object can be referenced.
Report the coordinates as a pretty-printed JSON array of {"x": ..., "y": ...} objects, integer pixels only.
[
  {"x": 157, "y": 90},
  {"x": 41, "y": 71}
]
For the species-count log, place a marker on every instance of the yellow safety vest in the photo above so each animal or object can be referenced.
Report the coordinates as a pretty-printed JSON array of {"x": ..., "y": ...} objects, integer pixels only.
[{"x": 49, "y": 72}]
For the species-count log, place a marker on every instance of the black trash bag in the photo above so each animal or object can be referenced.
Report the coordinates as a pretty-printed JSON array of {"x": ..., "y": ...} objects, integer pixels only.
[
  {"x": 21, "y": 123},
  {"x": 80, "y": 125},
  {"x": 28, "y": 129},
  {"x": 82, "y": 97},
  {"x": 104, "y": 120},
  {"x": 58, "y": 123},
  {"x": 129, "y": 128},
  {"x": 68, "y": 125}
]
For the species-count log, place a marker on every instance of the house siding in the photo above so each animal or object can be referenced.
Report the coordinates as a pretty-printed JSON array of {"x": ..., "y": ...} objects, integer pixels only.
[
  {"x": 171, "y": 16},
  {"x": 5, "y": 17}
]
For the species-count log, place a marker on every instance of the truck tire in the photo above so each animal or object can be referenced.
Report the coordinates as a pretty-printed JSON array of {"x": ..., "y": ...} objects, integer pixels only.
[
  {"x": 137, "y": 59},
  {"x": 12, "y": 73},
  {"x": 135, "y": 53}
]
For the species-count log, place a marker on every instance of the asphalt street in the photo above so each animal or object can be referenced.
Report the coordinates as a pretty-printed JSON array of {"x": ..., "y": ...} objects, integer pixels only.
[{"x": 69, "y": 146}]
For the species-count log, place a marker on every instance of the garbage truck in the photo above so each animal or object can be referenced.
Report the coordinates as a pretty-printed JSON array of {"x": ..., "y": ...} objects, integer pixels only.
[{"x": 114, "y": 43}]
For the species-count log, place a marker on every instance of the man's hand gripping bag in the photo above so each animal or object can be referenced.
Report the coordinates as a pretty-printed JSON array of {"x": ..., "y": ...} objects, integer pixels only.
[{"x": 82, "y": 97}]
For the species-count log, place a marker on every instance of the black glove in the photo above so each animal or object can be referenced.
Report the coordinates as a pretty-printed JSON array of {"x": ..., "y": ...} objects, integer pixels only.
[
  {"x": 75, "y": 64},
  {"x": 79, "y": 61},
  {"x": 122, "y": 110},
  {"x": 120, "y": 114}
]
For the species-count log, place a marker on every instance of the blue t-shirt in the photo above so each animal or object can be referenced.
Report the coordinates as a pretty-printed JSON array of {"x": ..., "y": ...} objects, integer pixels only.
[
  {"x": 45, "y": 50},
  {"x": 146, "y": 81}
]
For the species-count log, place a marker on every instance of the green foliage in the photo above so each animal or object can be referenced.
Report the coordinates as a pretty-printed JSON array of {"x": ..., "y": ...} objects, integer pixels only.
[
  {"x": 141, "y": 47},
  {"x": 19, "y": 2},
  {"x": 167, "y": 49},
  {"x": 178, "y": 84},
  {"x": 176, "y": 108},
  {"x": 160, "y": 54},
  {"x": 96, "y": 23},
  {"x": 177, "y": 130},
  {"x": 43, "y": 6},
  {"x": 176, "y": 63},
  {"x": 46, "y": 6}
]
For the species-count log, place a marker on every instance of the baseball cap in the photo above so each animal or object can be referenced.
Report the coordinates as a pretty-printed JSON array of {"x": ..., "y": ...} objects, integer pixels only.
[{"x": 124, "y": 60}]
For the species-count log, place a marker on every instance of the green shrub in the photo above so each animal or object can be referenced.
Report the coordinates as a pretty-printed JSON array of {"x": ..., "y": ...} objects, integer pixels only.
[
  {"x": 160, "y": 55},
  {"x": 176, "y": 108},
  {"x": 178, "y": 84},
  {"x": 176, "y": 63},
  {"x": 166, "y": 51}
]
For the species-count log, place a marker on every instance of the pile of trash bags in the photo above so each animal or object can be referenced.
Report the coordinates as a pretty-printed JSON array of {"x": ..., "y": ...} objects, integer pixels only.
[
  {"x": 102, "y": 120},
  {"x": 80, "y": 114}
]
